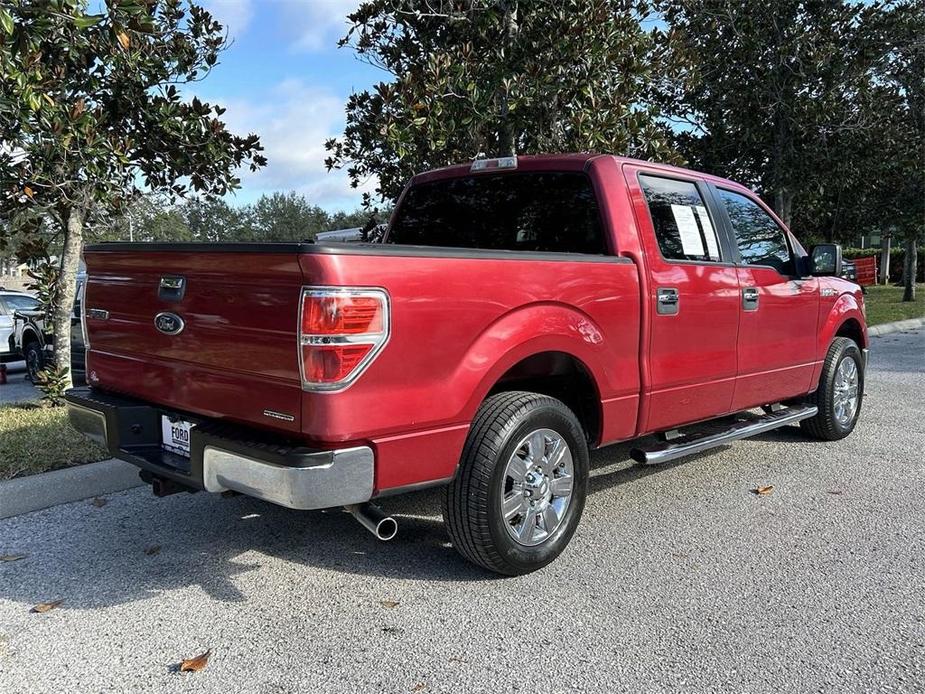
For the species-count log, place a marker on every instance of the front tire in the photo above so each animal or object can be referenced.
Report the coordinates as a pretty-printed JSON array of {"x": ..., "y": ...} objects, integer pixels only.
[
  {"x": 520, "y": 489},
  {"x": 840, "y": 392},
  {"x": 35, "y": 360}
]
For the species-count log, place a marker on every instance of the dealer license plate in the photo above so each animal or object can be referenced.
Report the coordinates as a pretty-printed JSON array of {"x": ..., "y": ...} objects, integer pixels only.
[{"x": 175, "y": 435}]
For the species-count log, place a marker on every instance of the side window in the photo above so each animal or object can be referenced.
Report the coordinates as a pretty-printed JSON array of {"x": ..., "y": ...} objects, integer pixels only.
[
  {"x": 679, "y": 216},
  {"x": 761, "y": 241}
]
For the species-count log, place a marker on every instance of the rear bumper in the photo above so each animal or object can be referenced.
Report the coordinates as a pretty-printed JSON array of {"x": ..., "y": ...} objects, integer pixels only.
[{"x": 224, "y": 458}]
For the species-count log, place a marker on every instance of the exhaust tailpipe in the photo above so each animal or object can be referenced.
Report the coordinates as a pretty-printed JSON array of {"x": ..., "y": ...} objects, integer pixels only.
[{"x": 374, "y": 520}]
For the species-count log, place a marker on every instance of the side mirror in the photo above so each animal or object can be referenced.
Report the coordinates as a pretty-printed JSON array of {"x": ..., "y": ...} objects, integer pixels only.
[{"x": 825, "y": 259}]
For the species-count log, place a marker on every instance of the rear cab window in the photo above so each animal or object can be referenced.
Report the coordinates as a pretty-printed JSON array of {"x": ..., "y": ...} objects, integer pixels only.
[
  {"x": 680, "y": 218},
  {"x": 545, "y": 211}
]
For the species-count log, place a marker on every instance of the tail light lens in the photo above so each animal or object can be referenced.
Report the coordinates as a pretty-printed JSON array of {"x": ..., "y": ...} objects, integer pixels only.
[{"x": 341, "y": 330}]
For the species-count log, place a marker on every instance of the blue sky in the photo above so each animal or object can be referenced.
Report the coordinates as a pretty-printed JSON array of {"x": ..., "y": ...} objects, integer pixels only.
[{"x": 285, "y": 79}]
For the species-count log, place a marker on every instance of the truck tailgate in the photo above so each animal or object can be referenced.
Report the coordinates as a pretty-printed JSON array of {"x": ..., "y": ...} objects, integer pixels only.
[{"x": 235, "y": 356}]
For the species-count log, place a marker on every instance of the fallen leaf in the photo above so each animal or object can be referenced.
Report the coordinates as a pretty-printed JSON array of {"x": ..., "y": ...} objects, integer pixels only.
[
  {"x": 99, "y": 501},
  {"x": 763, "y": 490},
  {"x": 389, "y": 603},
  {"x": 418, "y": 687},
  {"x": 152, "y": 550},
  {"x": 392, "y": 630},
  {"x": 454, "y": 659},
  {"x": 46, "y": 606},
  {"x": 12, "y": 557},
  {"x": 196, "y": 664}
]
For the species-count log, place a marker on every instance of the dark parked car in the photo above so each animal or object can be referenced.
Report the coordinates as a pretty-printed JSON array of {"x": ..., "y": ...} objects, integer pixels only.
[{"x": 849, "y": 271}]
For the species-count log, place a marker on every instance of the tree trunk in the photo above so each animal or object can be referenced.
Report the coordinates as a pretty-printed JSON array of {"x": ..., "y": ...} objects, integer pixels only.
[
  {"x": 783, "y": 203},
  {"x": 886, "y": 241},
  {"x": 66, "y": 290},
  {"x": 911, "y": 269}
]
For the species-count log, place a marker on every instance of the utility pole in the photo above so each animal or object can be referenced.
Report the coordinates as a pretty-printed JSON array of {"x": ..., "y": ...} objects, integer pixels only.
[{"x": 885, "y": 243}]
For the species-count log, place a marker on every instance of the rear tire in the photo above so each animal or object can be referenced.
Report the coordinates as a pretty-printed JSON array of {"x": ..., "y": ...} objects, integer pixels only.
[
  {"x": 521, "y": 485},
  {"x": 35, "y": 360},
  {"x": 840, "y": 392}
]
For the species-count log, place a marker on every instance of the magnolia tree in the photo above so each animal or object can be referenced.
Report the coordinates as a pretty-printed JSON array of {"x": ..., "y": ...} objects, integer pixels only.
[
  {"x": 90, "y": 111},
  {"x": 788, "y": 96},
  {"x": 500, "y": 77}
]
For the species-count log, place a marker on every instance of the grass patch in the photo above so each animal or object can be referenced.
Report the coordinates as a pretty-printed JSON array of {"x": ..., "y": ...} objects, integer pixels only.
[
  {"x": 885, "y": 304},
  {"x": 36, "y": 439}
]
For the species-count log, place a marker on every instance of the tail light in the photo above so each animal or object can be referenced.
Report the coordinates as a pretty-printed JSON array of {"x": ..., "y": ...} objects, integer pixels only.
[{"x": 341, "y": 330}]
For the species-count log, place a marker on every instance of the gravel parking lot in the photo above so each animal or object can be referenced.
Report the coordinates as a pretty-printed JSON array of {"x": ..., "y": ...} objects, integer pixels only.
[{"x": 679, "y": 579}]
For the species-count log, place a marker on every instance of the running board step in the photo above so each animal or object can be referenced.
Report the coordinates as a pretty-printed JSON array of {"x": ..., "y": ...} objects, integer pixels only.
[{"x": 697, "y": 442}]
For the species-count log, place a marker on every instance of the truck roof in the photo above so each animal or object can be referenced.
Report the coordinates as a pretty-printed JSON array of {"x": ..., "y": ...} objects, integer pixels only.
[{"x": 563, "y": 162}]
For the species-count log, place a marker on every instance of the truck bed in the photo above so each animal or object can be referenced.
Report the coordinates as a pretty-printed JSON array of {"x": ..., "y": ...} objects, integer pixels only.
[{"x": 457, "y": 318}]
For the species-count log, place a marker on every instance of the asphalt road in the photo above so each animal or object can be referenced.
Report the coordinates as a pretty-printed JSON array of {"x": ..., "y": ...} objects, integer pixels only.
[
  {"x": 18, "y": 387},
  {"x": 679, "y": 579}
]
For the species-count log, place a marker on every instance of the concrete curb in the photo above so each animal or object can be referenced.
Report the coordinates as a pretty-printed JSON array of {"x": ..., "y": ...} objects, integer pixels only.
[
  {"x": 895, "y": 327},
  {"x": 37, "y": 492}
]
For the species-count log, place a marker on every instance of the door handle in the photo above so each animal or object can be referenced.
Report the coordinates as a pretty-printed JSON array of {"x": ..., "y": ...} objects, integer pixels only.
[
  {"x": 750, "y": 298},
  {"x": 668, "y": 301}
]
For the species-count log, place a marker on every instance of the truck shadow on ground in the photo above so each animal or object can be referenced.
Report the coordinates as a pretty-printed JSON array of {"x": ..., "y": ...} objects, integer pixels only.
[{"x": 136, "y": 546}]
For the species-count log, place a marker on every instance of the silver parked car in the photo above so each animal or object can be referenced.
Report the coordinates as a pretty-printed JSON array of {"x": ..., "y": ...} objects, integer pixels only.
[
  {"x": 12, "y": 301},
  {"x": 22, "y": 333}
]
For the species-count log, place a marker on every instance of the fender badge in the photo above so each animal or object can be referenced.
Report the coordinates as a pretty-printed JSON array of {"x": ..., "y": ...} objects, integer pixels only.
[
  {"x": 169, "y": 323},
  {"x": 279, "y": 415}
]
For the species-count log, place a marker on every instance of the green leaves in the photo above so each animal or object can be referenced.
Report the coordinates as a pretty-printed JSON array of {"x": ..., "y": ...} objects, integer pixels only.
[
  {"x": 88, "y": 108},
  {"x": 477, "y": 77},
  {"x": 76, "y": 87},
  {"x": 804, "y": 101},
  {"x": 87, "y": 21},
  {"x": 6, "y": 21}
]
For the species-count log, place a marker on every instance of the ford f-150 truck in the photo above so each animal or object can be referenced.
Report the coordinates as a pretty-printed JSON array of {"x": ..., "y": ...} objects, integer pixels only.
[{"x": 518, "y": 313}]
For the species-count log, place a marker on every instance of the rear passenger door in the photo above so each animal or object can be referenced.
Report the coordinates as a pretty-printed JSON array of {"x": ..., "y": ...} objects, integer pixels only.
[
  {"x": 779, "y": 308},
  {"x": 693, "y": 293}
]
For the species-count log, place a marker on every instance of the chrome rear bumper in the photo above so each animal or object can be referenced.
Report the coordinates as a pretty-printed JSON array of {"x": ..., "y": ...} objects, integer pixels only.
[
  {"x": 347, "y": 478},
  {"x": 225, "y": 458}
]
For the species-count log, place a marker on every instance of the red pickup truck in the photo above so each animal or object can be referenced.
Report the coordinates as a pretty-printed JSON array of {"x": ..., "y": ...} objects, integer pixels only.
[{"x": 519, "y": 312}]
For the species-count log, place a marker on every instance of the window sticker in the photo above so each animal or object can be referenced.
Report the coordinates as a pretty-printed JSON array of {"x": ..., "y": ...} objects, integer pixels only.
[
  {"x": 691, "y": 241},
  {"x": 708, "y": 232}
]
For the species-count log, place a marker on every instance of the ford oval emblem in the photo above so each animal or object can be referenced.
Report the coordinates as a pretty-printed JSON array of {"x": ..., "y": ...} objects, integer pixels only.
[{"x": 169, "y": 323}]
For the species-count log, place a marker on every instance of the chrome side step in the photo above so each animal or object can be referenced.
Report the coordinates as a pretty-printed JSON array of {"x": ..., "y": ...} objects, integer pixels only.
[{"x": 695, "y": 443}]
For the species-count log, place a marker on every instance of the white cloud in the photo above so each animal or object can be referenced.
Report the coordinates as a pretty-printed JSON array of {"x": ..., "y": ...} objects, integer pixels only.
[
  {"x": 293, "y": 123},
  {"x": 234, "y": 15},
  {"x": 319, "y": 24}
]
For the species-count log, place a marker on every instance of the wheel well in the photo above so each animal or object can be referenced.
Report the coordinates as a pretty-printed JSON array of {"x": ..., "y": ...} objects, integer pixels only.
[
  {"x": 561, "y": 376},
  {"x": 852, "y": 330},
  {"x": 29, "y": 336}
]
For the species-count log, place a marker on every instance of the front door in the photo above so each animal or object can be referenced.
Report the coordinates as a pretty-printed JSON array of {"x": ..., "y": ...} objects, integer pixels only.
[
  {"x": 694, "y": 298},
  {"x": 779, "y": 308}
]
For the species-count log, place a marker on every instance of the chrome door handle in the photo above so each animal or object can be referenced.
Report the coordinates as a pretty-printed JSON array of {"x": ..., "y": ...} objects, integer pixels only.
[
  {"x": 750, "y": 298},
  {"x": 668, "y": 301}
]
